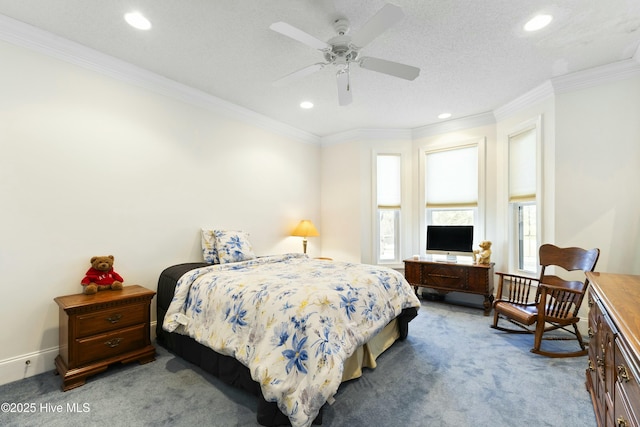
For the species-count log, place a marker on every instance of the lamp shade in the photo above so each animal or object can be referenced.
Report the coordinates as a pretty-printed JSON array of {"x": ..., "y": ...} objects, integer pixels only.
[{"x": 305, "y": 229}]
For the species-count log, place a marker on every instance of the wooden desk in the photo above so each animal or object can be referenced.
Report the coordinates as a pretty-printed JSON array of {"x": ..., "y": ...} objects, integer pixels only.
[
  {"x": 613, "y": 372},
  {"x": 452, "y": 277}
]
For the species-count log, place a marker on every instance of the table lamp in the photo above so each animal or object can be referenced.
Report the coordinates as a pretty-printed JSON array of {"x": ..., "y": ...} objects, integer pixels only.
[{"x": 305, "y": 229}]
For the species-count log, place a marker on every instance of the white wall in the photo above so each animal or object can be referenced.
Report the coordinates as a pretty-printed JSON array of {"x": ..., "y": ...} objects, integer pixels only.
[
  {"x": 90, "y": 165},
  {"x": 347, "y": 197},
  {"x": 598, "y": 171},
  {"x": 342, "y": 202}
]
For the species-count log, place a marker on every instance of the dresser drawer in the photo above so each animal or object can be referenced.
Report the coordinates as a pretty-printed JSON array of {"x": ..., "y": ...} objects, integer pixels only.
[
  {"x": 110, "y": 319},
  {"x": 110, "y": 344},
  {"x": 626, "y": 373},
  {"x": 623, "y": 415}
]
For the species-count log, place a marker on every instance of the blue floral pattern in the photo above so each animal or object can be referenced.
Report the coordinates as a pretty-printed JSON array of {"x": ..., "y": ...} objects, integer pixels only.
[
  {"x": 233, "y": 246},
  {"x": 292, "y": 320}
]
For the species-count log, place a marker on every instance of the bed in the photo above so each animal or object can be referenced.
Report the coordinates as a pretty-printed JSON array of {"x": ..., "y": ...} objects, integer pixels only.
[{"x": 286, "y": 328}]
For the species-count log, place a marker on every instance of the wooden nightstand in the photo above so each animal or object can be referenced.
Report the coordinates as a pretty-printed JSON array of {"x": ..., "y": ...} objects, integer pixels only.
[{"x": 100, "y": 329}]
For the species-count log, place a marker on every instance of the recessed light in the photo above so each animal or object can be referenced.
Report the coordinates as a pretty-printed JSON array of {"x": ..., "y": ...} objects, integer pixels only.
[
  {"x": 137, "y": 20},
  {"x": 444, "y": 115},
  {"x": 538, "y": 22},
  {"x": 306, "y": 105}
]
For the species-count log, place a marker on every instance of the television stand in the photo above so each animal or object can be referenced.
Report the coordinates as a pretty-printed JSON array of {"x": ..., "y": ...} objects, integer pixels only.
[{"x": 448, "y": 277}]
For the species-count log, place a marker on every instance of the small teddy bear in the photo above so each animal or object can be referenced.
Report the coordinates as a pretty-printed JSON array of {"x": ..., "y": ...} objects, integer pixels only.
[
  {"x": 483, "y": 255},
  {"x": 101, "y": 276}
]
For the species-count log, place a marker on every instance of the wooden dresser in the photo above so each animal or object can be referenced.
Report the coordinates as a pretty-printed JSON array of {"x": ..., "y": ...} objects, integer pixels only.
[
  {"x": 452, "y": 277},
  {"x": 100, "y": 329},
  {"x": 613, "y": 373}
]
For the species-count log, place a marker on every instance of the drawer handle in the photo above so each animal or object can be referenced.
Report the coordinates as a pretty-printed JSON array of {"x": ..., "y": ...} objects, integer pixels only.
[
  {"x": 113, "y": 343},
  {"x": 115, "y": 318},
  {"x": 623, "y": 374},
  {"x": 600, "y": 364},
  {"x": 621, "y": 422}
]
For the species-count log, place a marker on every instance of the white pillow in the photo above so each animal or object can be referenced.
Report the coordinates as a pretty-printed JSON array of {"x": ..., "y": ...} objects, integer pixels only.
[{"x": 233, "y": 246}]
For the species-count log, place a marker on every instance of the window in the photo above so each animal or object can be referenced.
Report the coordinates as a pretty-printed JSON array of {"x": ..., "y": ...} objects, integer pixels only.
[
  {"x": 388, "y": 199},
  {"x": 522, "y": 199},
  {"x": 451, "y": 186},
  {"x": 527, "y": 236}
]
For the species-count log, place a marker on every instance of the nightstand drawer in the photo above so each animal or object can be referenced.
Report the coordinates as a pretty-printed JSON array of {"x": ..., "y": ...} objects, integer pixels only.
[
  {"x": 108, "y": 345},
  {"x": 109, "y": 320}
]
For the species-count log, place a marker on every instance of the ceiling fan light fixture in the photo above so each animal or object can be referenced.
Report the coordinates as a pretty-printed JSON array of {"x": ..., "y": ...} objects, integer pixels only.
[
  {"x": 538, "y": 22},
  {"x": 343, "y": 50},
  {"x": 137, "y": 20}
]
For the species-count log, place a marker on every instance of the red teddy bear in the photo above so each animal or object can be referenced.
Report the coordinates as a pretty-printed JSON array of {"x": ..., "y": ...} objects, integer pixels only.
[{"x": 101, "y": 276}]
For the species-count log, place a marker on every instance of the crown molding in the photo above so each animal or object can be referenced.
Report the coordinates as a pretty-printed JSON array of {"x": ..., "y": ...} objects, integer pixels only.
[
  {"x": 570, "y": 82},
  {"x": 21, "y": 34},
  {"x": 532, "y": 97},
  {"x": 366, "y": 134},
  {"x": 596, "y": 76},
  {"x": 462, "y": 123}
]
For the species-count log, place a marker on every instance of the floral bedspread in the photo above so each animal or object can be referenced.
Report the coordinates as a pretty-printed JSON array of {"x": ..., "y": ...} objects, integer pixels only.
[{"x": 290, "y": 319}]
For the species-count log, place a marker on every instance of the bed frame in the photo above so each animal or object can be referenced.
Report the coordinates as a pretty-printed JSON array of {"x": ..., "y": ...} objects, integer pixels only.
[{"x": 227, "y": 368}]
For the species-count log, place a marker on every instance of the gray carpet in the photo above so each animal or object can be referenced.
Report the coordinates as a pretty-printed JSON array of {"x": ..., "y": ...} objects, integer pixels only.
[{"x": 453, "y": 370}]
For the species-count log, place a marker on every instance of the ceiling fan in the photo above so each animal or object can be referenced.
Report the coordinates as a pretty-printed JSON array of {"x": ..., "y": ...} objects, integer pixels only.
[{"x": 343, "y": 50}]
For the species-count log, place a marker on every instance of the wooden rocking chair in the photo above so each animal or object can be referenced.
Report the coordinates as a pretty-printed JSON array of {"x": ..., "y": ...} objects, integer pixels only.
[{"x": 549, "y": 302}]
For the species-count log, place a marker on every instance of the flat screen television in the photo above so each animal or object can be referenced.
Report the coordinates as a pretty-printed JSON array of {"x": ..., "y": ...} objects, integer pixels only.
[{"x": 450, "y": 239}]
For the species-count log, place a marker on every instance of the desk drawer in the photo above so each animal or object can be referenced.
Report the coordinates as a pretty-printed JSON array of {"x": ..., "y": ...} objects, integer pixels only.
[
  {"x": 111, "y": 344},
  {"x": 109, "y": 320}
]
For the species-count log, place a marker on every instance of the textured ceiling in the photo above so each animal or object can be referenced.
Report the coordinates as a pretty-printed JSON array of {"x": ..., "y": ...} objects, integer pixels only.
[{"x": 473, "y": 55}]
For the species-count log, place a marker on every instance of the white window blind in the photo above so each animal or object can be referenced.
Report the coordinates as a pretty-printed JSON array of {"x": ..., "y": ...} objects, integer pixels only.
[
  {"x": 452, "y": 178},
  {"x": 522, "y": 166},
  {"x": 388, "y": 185}
]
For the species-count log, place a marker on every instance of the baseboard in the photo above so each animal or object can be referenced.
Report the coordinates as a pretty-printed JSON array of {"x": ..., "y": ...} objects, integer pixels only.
[
  {"x": 27, "y": 365},
  {"x": 153, "y": 325},
  {"x": 39, "y": 362}
]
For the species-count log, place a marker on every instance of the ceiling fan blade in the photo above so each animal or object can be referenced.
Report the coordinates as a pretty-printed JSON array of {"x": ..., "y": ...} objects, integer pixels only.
[
  {"x": 299, "y": 35},
  {"x": 299, "y": 74},
  {"x": 389, "y": 67},
  {"x": 380, "y": 22},
  {"x": 344, "y": 88}
]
